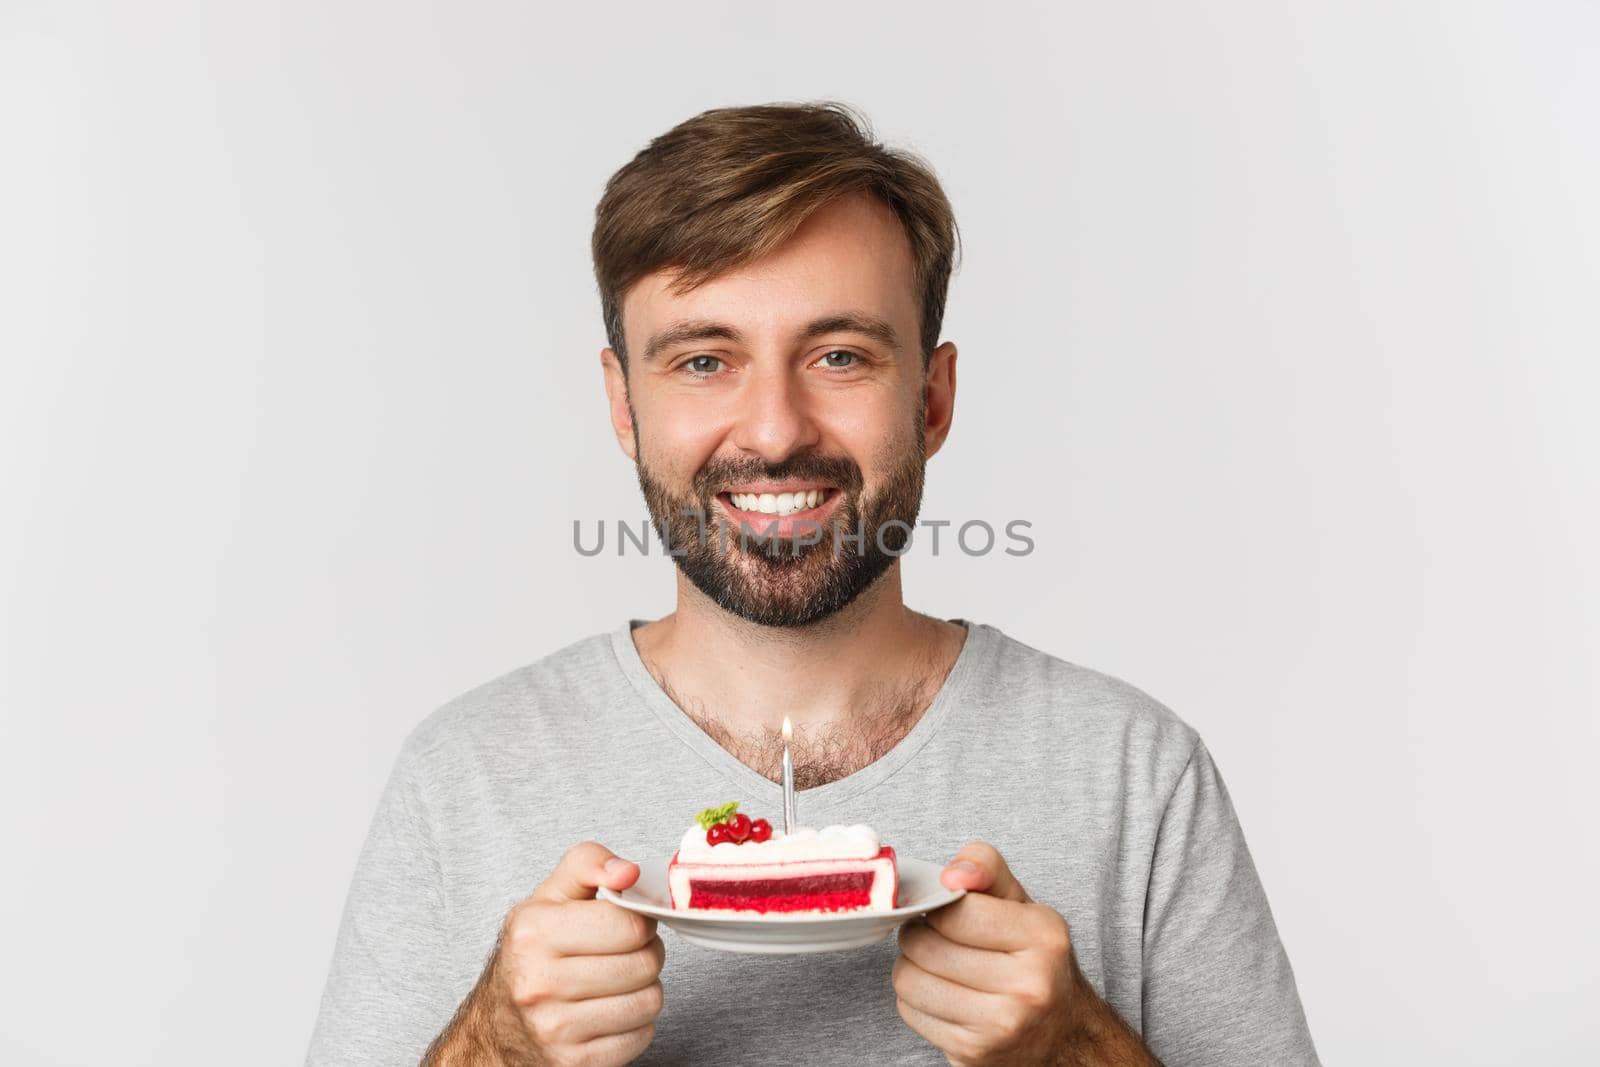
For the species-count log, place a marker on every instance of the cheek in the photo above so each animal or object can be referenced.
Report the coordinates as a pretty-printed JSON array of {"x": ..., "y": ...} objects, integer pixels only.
[
  {"x": 865, "y": 427},
  {"x": 884, "y": 412},
  {"x": 883, "y": 445},
  {"x": 675, "y": 444}
]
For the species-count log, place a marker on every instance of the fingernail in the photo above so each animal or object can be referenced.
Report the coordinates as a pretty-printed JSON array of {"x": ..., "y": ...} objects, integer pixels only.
[
  {"x": 964, "y": 865},
  {"x": 616, "y": 865}
]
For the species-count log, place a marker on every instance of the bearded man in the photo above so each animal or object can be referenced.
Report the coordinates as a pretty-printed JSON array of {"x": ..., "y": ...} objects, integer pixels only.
[{"x": 773, "y": 284}]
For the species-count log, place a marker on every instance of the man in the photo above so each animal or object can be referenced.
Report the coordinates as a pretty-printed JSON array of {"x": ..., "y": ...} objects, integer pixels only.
[{"x": 773, "y": 284}]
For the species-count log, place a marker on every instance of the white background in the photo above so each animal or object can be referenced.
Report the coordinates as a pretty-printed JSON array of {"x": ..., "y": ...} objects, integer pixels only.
[{"x": 1278, "y": 321}]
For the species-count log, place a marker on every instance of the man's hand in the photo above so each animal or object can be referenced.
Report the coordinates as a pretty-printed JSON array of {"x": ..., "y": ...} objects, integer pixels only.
[
  {"x": 573, "y": 980},
  {"x": 992, "y": 979}
]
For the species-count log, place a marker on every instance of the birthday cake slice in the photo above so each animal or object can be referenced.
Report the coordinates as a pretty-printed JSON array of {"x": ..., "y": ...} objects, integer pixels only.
[{"x": 728, "y": 861}]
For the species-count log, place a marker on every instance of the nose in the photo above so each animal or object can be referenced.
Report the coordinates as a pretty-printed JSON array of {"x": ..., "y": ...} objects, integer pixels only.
[{"x": 774, "y": 420}]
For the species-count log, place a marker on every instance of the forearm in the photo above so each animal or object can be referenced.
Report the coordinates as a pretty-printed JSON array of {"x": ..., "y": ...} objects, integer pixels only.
[
  {"x": 463, "y": 1043},
  {"x": 481, "y": 1034},
  {"x": 1094, "y": 1035},
  {"x": 467, "y": 1042}
]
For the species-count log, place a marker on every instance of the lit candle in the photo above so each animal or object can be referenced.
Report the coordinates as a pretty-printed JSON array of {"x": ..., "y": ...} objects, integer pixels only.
[{"x": 788, "y": 781}]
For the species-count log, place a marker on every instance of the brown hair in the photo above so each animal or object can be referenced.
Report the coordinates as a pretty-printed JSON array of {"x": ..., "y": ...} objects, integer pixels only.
[{"x": 731, "y": 184}]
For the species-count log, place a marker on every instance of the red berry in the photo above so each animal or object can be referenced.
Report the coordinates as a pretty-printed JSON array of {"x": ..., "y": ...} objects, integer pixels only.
[
  {"x": 739, "y": 826},
  {"x": 718, "y": 834},
  {"x": 760, "y": 830}
]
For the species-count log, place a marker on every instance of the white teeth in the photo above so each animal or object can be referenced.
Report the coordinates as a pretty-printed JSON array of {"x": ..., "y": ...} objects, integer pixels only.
[{"x": 778, "y": 503}]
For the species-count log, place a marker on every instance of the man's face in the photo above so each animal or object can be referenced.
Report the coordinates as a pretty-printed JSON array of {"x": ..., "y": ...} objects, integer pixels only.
[{"x": 785, "y": 400}]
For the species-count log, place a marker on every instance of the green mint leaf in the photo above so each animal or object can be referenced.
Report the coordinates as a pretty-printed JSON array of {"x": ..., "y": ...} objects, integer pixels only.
[{"x": 711, "y": 816}]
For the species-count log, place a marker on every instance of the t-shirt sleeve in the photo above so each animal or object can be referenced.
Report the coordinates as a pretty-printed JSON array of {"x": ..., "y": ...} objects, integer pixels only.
[
  {"x": 384, "y": 1001},
  {"x": 1218, "y": 988}
]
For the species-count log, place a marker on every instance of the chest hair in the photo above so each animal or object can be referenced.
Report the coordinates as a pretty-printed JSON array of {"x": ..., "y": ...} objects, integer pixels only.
[{"x": 821, "y": 754}]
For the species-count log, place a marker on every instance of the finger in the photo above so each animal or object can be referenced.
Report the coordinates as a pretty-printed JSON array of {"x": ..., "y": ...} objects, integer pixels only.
[
  {"x": 585, "y": 868},
  {"x": 582, "y": 977},
  {"x": 976, "y": 968},
  {"x": 981, "y": 921},
  {"x": 617, "y": 1048},
  {"x": 956, "y": 1041},
  {"x": 942, "y": 998},
  {"x": 594, "y": 928},
  {"x": 616, "y": 1014},
  {"x": 980, "y": 868}
]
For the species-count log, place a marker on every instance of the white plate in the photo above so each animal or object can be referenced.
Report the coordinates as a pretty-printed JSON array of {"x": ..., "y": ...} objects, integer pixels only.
[{"x": 733, "y": 931}]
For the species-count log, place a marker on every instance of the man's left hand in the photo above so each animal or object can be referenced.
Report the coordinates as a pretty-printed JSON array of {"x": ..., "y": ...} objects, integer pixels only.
[{"x": 989, "y": 979}]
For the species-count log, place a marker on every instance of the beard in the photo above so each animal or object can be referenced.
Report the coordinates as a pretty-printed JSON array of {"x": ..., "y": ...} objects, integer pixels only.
[{"x": 786, "y": 581}]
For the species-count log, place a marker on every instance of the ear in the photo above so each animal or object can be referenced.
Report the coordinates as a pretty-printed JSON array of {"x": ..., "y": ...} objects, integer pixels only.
[
  {"x": 939, "y": 393},
  {"x": 617, "y": 398}
]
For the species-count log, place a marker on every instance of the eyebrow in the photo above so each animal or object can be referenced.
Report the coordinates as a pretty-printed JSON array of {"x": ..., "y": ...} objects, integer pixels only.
[{"x": 690, "y": 330}]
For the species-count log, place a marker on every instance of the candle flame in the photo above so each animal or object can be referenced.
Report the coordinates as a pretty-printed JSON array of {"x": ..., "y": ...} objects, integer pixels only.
[{"x": 786, "y": 729}]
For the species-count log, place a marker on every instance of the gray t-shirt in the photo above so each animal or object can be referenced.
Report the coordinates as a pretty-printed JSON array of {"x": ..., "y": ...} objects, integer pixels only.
[{"x": 1105, "y": 805}]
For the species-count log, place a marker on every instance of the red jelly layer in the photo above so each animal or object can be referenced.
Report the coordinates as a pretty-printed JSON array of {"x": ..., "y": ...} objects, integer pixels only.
[
  {"x": 837, "y": 901},
  {"x": 825, "y": 891}
]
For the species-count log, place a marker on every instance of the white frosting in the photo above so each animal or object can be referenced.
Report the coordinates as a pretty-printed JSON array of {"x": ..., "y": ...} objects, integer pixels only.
[{"x": 859, "y": 842}]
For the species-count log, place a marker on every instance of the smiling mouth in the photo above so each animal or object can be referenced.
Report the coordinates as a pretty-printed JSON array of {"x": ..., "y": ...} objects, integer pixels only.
[{"x": 779, "y": 505}]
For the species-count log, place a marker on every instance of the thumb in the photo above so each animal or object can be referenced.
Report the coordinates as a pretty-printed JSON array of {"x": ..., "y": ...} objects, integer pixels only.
[
  {"x": 980, "y": 868},
  {"x": 585, "y": 868}
]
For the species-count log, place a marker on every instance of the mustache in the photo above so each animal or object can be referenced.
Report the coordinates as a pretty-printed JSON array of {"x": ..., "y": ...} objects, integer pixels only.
[{"x": 836, "y": 471}]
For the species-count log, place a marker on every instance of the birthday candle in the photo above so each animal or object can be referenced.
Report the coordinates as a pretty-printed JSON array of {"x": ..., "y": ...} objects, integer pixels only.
[{"x": 788, "y": 781}]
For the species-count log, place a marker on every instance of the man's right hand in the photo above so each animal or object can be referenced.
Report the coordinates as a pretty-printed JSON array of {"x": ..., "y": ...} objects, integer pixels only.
[{"x": 573, "y": 980}]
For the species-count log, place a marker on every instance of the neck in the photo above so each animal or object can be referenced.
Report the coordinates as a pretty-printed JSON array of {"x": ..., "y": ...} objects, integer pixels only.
[{"x": 748, "y": 677}]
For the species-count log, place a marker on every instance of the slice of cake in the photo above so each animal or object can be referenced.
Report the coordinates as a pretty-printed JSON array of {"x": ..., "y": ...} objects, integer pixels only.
[{"x": 728, "y": 861}]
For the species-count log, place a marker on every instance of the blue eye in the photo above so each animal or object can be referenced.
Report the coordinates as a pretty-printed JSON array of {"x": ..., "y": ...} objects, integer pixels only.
[
  {"x": 850, "y": 358},
  {"x": 697, "y": 364}
]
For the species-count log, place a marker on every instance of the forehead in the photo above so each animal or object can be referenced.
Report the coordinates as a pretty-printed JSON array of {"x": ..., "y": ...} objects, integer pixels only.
[{"x": 850, "y": 254}]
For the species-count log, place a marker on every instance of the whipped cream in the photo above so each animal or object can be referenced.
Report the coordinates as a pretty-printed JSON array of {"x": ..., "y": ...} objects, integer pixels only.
[{"x": 858, "y": 842}]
